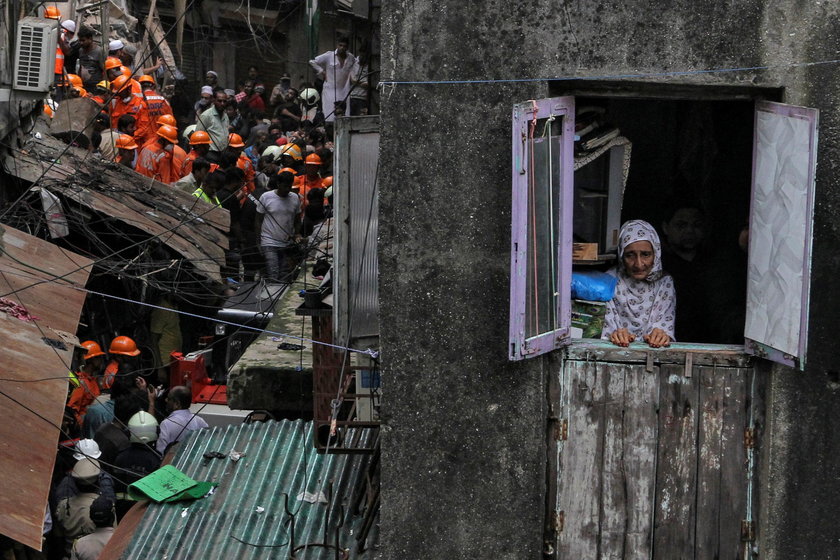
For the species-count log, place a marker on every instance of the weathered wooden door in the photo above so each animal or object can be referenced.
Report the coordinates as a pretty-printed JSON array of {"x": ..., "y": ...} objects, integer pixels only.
[{"x": 655, "y": 453}]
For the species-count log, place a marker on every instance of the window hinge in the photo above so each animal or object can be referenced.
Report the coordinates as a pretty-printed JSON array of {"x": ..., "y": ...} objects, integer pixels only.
[
  {"x": 749, "y": 438},
  {"x": 747, "y": 531},
  {"x": 559, "y": 521},
  {"x": 561, "y": 430}
]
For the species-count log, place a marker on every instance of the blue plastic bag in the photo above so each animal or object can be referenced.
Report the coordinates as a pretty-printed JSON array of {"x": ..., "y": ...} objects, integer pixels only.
[{"x": 593, "y": 286}]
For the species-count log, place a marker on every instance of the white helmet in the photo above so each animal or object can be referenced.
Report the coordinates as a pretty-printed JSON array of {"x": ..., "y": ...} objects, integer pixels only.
[
  {"x": 143, "y": 428},
  {"x": 310, "y": 96},
  {"x": 86, "y": 448},
  {"x": 188, "y": 132},
  {"x": 274, "y": 151}
]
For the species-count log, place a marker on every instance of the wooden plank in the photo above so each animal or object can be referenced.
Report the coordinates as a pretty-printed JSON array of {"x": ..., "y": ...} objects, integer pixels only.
[
  {"x": 733, "y": 472},
  {"x": 758, "y": 382},
  {"x": 676, "y": 477},
  {"x": 710, "y": 458},
  {"x": 703, "y": 354},
  {"x": 579, "y": 484},
  {"x": 614, "y": 505},
  {"x": 641, "y": 397}
]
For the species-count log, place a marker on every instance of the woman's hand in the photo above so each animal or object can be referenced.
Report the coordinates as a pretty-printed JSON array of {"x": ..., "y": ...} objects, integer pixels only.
[
  {"x": 657, "y": 338},
  {"x": 622, "y": 337}
]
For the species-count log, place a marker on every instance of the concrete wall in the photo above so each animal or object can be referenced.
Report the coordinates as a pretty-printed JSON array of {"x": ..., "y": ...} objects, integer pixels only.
[{"x": 464, "y": 430}]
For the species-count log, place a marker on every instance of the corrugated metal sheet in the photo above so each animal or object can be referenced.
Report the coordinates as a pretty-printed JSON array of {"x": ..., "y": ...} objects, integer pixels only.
[
  {"x": 279, "y": 459},
  {"x": 357, "y": 200},
  {"x": 32, "y": 412}
]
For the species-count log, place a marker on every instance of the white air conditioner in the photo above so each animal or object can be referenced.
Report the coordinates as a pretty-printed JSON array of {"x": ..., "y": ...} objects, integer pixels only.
[{"x": 35, "y": 54}]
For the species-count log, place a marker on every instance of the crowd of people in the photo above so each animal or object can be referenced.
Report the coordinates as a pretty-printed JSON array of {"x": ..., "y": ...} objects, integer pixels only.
[
  {"x": 265, "y": 156},
  {"x": 117, "y": 426}
]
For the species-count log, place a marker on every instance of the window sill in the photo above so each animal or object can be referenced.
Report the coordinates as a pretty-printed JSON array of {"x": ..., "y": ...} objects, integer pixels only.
[{"x": 592, "y": 349}]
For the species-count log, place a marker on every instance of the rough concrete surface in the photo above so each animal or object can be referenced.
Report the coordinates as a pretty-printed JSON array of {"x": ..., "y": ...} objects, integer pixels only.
[{"x": 463, "y": 445}]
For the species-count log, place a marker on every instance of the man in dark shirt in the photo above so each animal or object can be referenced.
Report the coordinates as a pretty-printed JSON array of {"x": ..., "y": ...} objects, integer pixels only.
[
  {"x": 288, "y": 111},
  {"x": 90, "y": 59},
  {"x": 138, "y": 460},
  {"x": 113, "y": 436},
  {"x": 234, "y": 181}
]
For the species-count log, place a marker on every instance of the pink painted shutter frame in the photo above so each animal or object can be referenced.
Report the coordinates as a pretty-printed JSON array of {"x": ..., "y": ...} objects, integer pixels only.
[{"x": 548, "y": 156}]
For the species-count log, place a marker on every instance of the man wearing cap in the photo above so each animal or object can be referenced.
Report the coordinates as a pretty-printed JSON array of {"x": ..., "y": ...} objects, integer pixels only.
[
  {"x": 115, "y": 49},
  {"x": 278, "y": 92},
  {"x": 72, "y": 514},
  {"x": 179, "y": 156},
  {"x": 88, "y": 389},
  {"x": 215, "y": 122},
  {"x": 155, "y": 159},
  {"x": 101, "y": 514},
  {"x": 90, "y": 59},
  {"x": 86, "y": 452},
  {"x": 204, "y": 101},
  {"x": 211, "y": 80}
]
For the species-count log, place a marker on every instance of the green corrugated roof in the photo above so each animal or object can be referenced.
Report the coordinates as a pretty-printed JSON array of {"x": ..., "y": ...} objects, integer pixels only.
[{"x": 279, "y": 458}]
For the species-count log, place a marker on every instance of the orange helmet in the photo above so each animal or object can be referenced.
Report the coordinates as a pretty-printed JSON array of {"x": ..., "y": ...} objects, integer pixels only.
[
  {"x": 168, "y": 132},
  {"x": 146, "y": 79},
  {"x": 124, "y": 346},
  {"x": 235, "y": 141},
  {"x": 75, "y": 80},
  {"x": 93, "y": 349},
  {"x": 126, "y": 72},
  {"x": 125, "y": 142},
  {"x": 291, "y": 150},
  {"x": 166, "y": 119},
  {"x": 287, "y": 170},
  {"x": 312, "y": 159},
  {"x": 119, "y": 83},
  {"x": 112, "y": 62},
  {"x": 52, "y": 12},
  {"x": 199, "y": 137},
  {"x": 48, "y": 110}
]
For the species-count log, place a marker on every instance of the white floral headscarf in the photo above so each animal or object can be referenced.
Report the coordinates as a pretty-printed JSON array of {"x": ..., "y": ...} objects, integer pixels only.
[{"x": 639, "y": 230}]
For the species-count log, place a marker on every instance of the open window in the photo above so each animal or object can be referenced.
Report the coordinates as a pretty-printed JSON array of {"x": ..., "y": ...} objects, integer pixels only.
[
  {"x": 749, "y": 161},
  {"x": 541, "y": 242}
]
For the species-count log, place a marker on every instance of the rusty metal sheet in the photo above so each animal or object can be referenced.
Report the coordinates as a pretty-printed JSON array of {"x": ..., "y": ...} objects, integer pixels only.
[
  {"x": 192, "y": 228},
  {"x": 34, "y": 350}
]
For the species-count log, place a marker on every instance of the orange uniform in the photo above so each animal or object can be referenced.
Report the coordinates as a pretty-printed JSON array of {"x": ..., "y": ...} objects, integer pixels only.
[
  {"x": 155, "y": 162},
  {"x": 188, "y": 163},
  {"x": 179, "y": 158},
  {"x": 157, "y": 104},
  {"x": 143, "y": 131},
  {"x": 83, "y": 395},
  {"x": 304, "y": 184},
  {"x": 245, "y": 164}
]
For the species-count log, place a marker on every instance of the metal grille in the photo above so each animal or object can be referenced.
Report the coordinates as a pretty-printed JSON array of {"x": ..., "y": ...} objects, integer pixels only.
[{"x": 29, "y": 61}]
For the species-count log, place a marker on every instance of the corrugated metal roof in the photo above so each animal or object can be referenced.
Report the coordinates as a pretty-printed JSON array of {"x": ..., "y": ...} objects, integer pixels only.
[
  {"x": 34, "y": 350},
  {"x": 279, "y": 459}
]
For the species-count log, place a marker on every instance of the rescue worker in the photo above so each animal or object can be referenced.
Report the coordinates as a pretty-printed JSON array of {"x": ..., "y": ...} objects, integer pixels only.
[
  {"x": 114, "y": 69},
  {"x": 243, "y": 162},
  {"x": 124, "y": 103},
  {"x": 179, "y": 156},
  {"x": 123, "y": 352},
  {"x": 311, "y": 179},
  {"x": 126, "y": 151},
  {"x": 138, "y": 459},
  {"x": 207, "y": 190},
  {"x": 61, "y": 48},
  {"x": 72, "y": 514},
  {"x": 100, "y": 93},
  {"x": 200, "y": 144},
  {"x": 155, "y": 159},
  {"x": 290, "y": 156},
  {"x": 157, "y": 103},
  {"x": 88, "y": 388}
]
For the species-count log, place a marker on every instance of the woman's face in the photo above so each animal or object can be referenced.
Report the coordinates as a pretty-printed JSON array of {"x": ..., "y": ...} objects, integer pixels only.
[{"x": 638, "y": 259}]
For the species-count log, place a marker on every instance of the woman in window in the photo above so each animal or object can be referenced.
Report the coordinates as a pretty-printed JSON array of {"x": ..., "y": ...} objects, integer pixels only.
[{"x": 644, "y": 301}]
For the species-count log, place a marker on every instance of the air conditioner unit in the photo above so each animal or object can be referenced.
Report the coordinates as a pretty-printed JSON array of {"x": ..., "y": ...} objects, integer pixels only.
[{"x": 35, "y": 54}]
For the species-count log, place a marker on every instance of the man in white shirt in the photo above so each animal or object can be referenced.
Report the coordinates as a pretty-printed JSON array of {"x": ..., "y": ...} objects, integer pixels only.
[
  {"x": 278, "y": 220},
  {"x": 335, "y": 68},
  {"x": 180, "y": 421}
]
